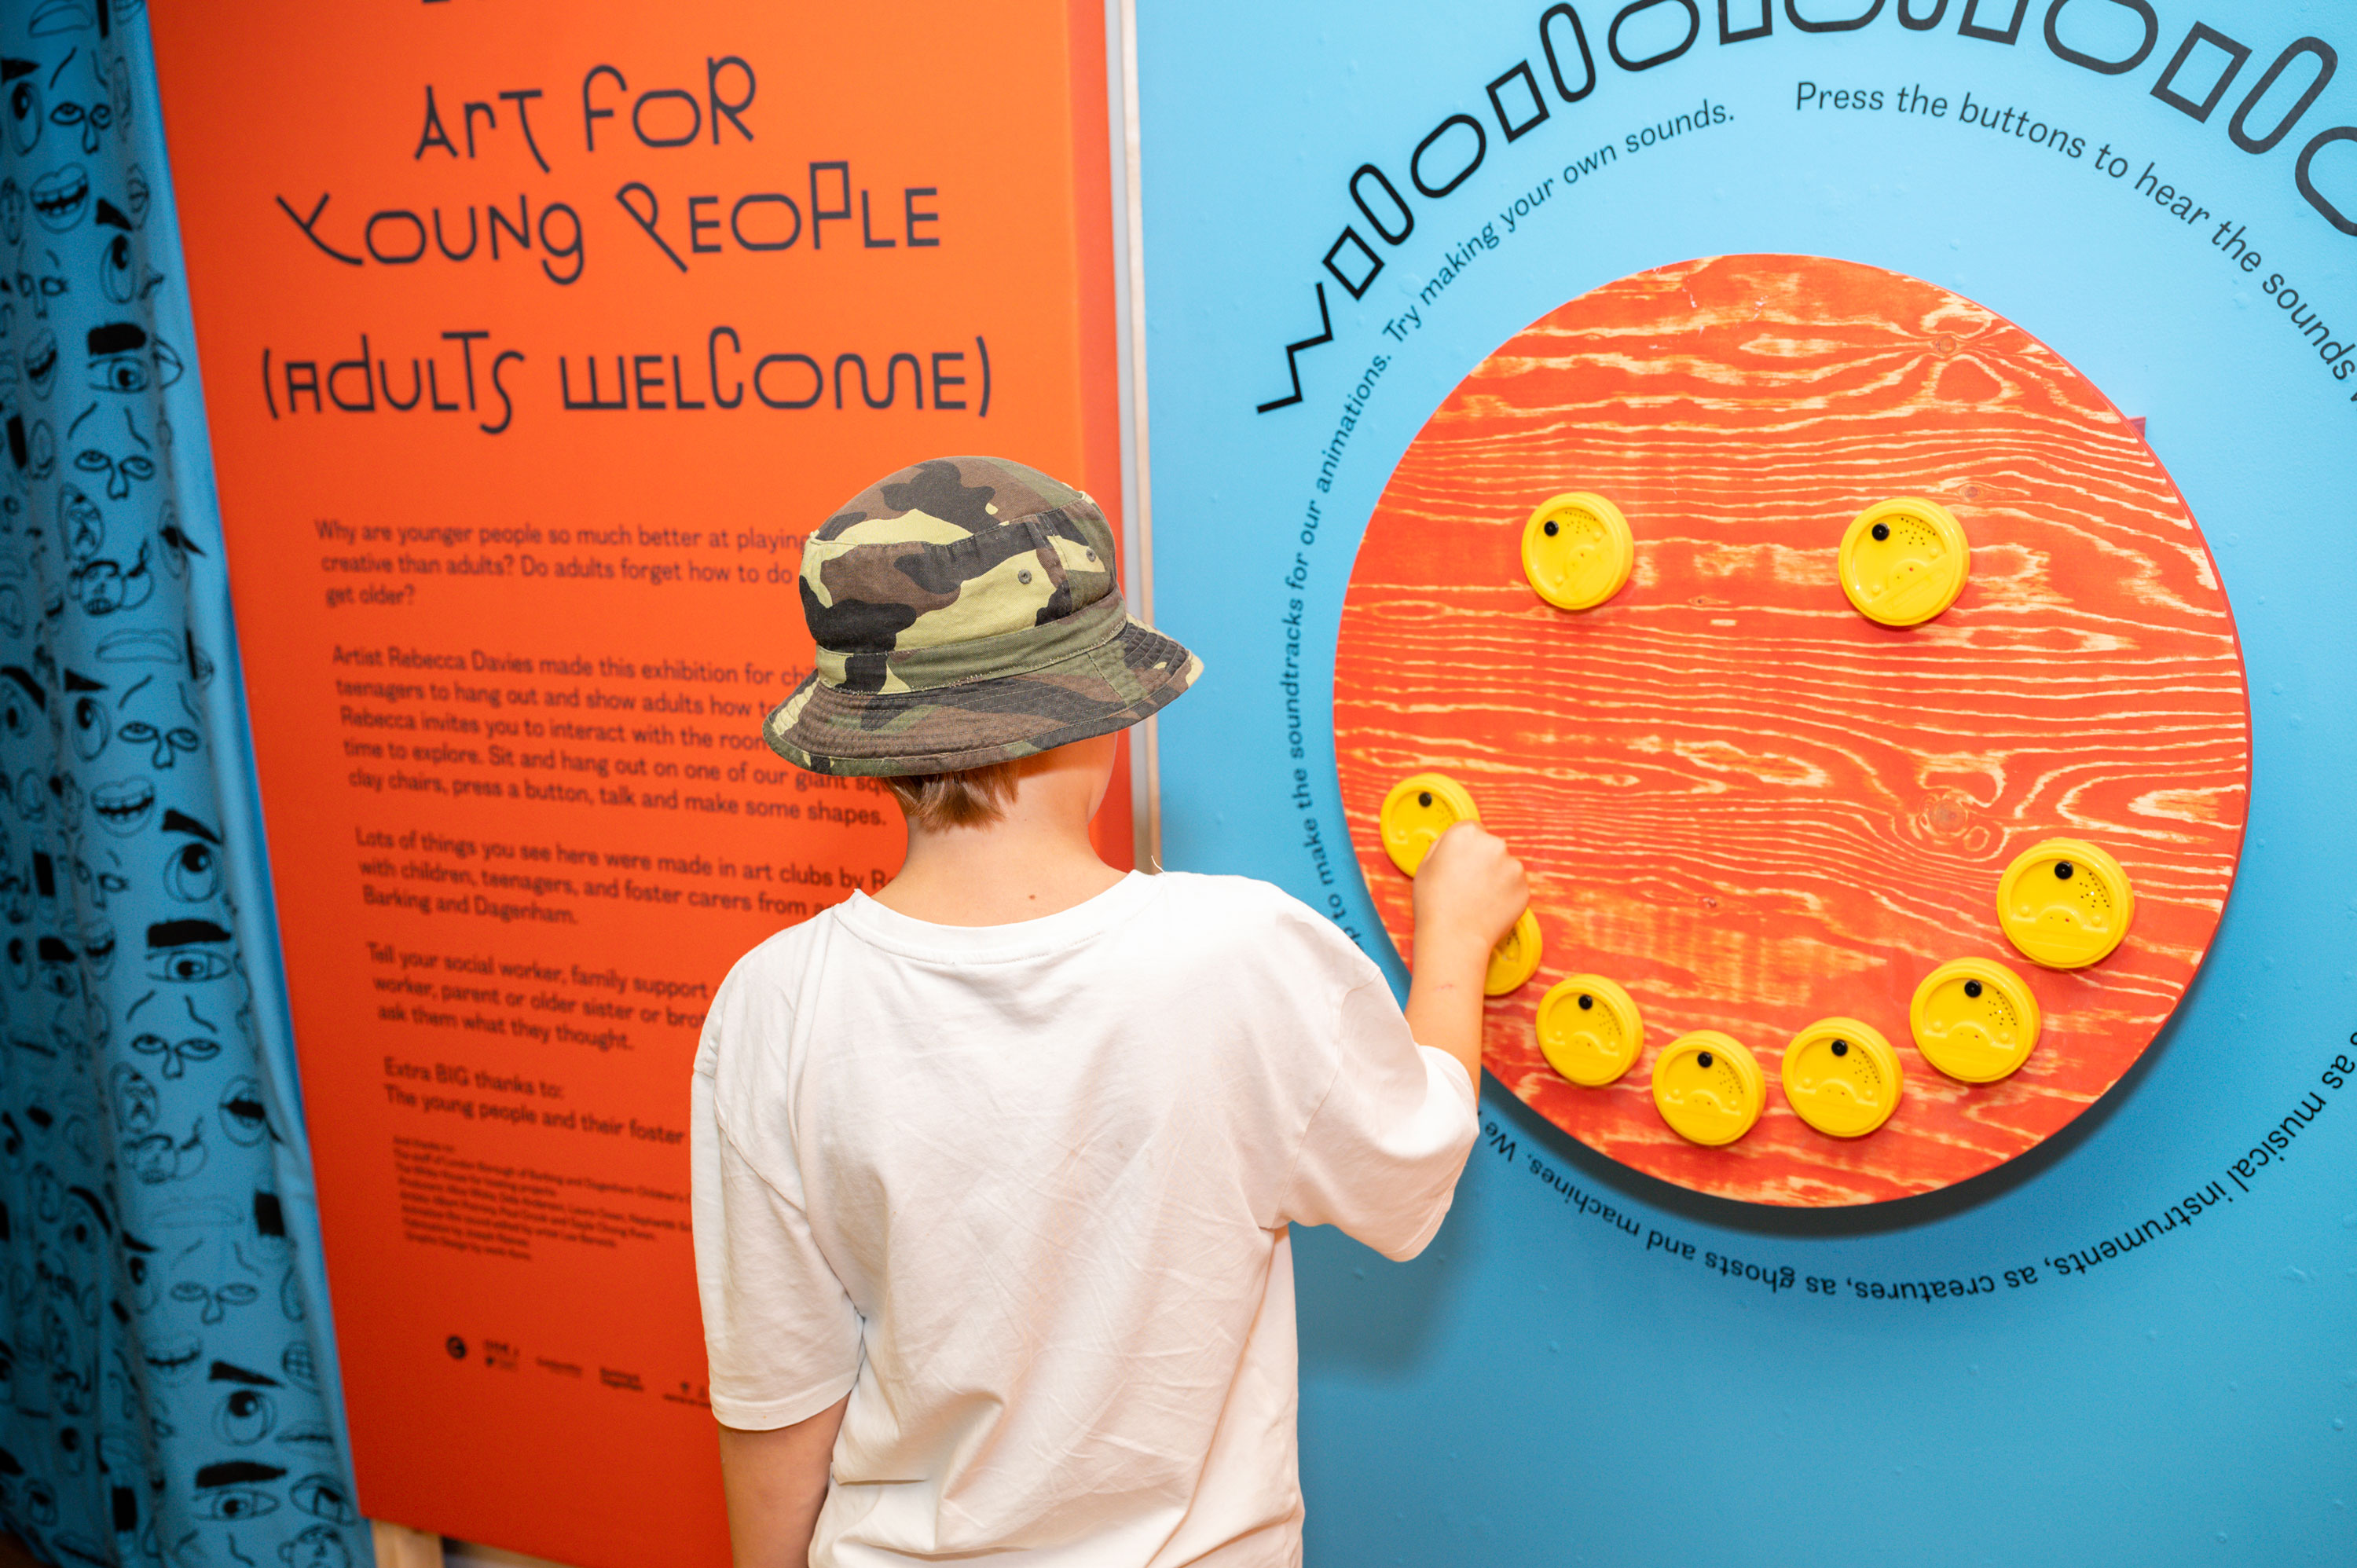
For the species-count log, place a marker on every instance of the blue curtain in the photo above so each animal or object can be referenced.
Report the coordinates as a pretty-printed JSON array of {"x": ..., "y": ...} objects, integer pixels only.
[{"x": 167, "y": 1371}]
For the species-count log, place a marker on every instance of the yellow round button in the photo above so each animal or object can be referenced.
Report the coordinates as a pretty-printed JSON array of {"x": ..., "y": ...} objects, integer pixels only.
[
  {"x": 1974, "y": 1019},
  {"x": 2064, "y": 904},
  {"x": 1591, "y": 1029},
  {"x": 1904, "y": 561},
  {"x": 1708, "y": 1088},
  {"x": 1842, "y": 1076},
  {"x": 1577, "y": 550},
  {"x": 1515, "y": 958},
  {"x": 1420, "y": 808}
]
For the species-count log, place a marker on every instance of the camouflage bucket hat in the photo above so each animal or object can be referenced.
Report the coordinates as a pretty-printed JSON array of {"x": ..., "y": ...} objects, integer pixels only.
[{"x": 965, "y": 613}]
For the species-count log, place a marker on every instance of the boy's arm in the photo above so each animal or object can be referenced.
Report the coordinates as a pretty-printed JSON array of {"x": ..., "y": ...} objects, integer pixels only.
[
  {"x": 775, "y": 1482},
  {"x": 1468, "y": 893}
]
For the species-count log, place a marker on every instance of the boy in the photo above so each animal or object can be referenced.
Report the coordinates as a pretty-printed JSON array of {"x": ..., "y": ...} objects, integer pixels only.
[{"x": 994, "y": 1170}]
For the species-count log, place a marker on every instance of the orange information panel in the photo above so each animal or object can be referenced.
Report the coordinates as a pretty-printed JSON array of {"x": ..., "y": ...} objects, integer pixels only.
[{"x": 536, "y": 337}]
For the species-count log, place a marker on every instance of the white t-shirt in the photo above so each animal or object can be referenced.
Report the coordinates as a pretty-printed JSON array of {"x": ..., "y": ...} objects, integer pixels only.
[{"x": 1022, "y": 1191}]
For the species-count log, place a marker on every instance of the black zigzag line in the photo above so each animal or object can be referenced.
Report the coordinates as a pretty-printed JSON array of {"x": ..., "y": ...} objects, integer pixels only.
[{"x": 1325, "y": 335}]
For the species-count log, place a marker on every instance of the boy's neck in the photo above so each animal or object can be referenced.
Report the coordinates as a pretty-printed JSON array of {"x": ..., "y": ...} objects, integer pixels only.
[{"x": 1035, "y": 860}]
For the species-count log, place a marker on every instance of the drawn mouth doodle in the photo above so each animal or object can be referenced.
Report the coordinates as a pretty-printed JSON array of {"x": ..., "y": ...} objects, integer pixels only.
[
  {"x": 178, "y": 545},
  {"x": 243, "y": 1116},
  {"x": 156, "y": 1159},
  {"x": 57, "y": 974},
  {"x": 139, "y": 647},
  {"x": 61, "y": 16},
  {"x": 41, "y": 362},
  {"x": 137, "y": 1106},
  {"x": 74, "y": 1548},
  {"x": 317, "y": 1437},
  {"x": 103, "y": 587},
  {"x": 125, "y": 807},
  {"x": 85, "y": 524},
  {"x": 135, "y": 193},
  {"x": 61, "y": 198},
  {"x": 173, "y": 1358},
  {"x": 297, "y": 1363},
  {"x": 98, "y": 949}
]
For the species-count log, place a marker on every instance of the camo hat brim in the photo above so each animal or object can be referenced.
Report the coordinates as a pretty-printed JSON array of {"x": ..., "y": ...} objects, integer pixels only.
[{"x": 965, "y": 613}]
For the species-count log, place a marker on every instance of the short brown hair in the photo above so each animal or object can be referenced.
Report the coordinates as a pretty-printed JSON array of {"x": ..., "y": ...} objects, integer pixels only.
[{"x": 973, "y": 798}]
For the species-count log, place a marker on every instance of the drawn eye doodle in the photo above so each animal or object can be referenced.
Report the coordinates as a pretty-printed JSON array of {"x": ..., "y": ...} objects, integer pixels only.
[
  {"x": 323, "y": 1497},
  {"x": 187, "y": 952},
  {"x": 193, "y": 873},
  {"x": 187, "y": 968},
  {"x": 176, "y": 1053},
  {"x": 20, "y": 696},
  {"x": 25, "y": 116},
  {"x": 118, "y": 272},
  {"x": 246, "y": 1416},
  {"x": 121, "y": 358},
  {"x": 234, "y": 1504},
  {"x": 91, "y": 727}
]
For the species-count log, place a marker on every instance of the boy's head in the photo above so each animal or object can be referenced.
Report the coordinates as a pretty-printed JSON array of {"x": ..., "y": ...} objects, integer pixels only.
[{"x": 966, "y": 615}]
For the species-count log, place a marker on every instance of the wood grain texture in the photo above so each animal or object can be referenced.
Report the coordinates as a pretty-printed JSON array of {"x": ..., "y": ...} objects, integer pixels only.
[{"x": 1738, "y": 797}]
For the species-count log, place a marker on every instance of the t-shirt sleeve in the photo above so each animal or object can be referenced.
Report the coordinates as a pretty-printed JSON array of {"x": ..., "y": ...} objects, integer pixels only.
[
  {"x": 781, "y": 1335},
  {"x": 1385, "y": 1147}
]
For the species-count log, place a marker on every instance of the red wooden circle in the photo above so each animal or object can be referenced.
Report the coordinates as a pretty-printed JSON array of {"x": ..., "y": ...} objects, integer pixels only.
[{"x": 1738, "y": 797}]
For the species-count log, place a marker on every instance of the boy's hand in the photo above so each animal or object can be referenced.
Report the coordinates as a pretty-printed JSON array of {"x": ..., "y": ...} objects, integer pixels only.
[{"x": 1468, "y": 891}]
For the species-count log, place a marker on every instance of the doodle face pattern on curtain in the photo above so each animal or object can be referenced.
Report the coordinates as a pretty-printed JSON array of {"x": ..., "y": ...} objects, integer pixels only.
[{"x": 160, "y": 1379}]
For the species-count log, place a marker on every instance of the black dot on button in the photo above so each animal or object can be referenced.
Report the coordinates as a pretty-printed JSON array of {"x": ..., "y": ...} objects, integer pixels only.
[
  {"x": 2063, "y": 870},
  {"x": 1424, "y": 797},
  {"x": 1553, "y": 527},
  {"x": 1705, "y": 1059},
  {"x": 1585, "y": 1002},
  {"x": 1971, "y": 988},
  {"x": 1841, "y": 1047},
  {"x": 1881, "y": 531}
]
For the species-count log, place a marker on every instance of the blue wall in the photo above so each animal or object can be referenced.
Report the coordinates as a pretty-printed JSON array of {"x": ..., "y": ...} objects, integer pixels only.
[{"x": 1539, "y": 1388}]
